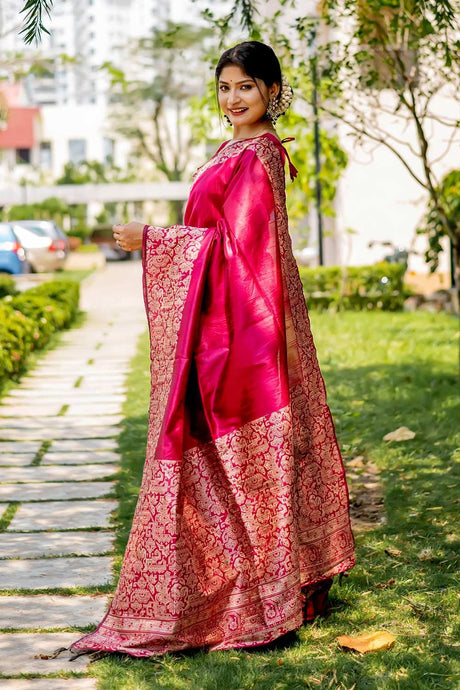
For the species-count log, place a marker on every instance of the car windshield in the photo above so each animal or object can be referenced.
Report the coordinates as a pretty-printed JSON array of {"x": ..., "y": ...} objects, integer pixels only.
[
  {"x": 35, "y": 229},
  {"x": 5, "y": 233},
  {"x": 48, "y": 230}
]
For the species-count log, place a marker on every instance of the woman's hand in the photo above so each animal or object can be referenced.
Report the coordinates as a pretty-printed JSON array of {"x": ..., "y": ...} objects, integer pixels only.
[{"x": 129, "y": 236}]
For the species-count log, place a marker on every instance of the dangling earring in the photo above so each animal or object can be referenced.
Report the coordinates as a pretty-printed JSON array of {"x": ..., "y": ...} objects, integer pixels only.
[
  {"x": 228, "y": 121},
  {"x": 271, "y": 111}
]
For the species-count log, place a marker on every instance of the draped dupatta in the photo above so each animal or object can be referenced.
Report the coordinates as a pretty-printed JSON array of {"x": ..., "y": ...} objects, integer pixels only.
[{"x": 243, "y": 499}]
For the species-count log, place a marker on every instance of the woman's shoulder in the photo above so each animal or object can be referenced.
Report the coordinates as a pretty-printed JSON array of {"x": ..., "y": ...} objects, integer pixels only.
[{"x": 268, "y": 148}]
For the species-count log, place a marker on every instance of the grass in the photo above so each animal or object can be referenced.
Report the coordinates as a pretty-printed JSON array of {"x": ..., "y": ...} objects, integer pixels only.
[
  {"x": 75, "y": 275},
  {"x": 382, "y": 371}
]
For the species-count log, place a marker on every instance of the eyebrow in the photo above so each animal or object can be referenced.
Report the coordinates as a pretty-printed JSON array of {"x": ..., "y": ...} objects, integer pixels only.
[{"x": 221, "y": 81}]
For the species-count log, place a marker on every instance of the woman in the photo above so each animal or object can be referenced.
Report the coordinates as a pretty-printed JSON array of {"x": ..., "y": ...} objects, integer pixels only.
[{"x": 242, "y": 518}]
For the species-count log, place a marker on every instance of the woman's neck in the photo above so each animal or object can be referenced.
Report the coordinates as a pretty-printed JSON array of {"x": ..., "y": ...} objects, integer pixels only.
[{"x": 254, "y": 131}]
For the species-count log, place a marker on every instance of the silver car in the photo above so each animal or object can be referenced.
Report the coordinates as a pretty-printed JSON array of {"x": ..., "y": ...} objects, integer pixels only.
[{"x": 43, "y": 252}]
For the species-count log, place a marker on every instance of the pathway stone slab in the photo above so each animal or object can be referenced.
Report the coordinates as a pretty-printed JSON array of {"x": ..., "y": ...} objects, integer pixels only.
[
  {"x": 51, "y": 611},
  {"x": 106, "y": 408},
  {"x": 47, "y": 380},
  {"x": 57, "y": 491},
  {"x": 20, "y": 447},
  {"x": 17, "y": 652},
  {"x": 68, "y": 432},
  {"x": 75, "y": 395},
  {"x": 78, "y": 458},
  {"x": 85, "y": 444},
  {"x": 104, "y": 388},
  {"x": 103, "y": 377},
  {"x": 56, "y": 473},
  {"x": 58, "y": 423},
  {"x": 16, "y": 459},
  {"x": 57, "y": 515},
  {"x": 89, "y": 370},
  {"x": 30, "y": 410},
  {"x": 50, "y": 684},
  {"x": 14, "y": 545},
  {"x": 48, "y": 573},
  {"x": 63, "y": 366}
]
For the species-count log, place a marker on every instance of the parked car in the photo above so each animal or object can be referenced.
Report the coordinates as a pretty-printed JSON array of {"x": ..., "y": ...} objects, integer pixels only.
[
  {"x": 43, "y": 251},
  {"x": 112, "y": 252},
  {"x": 51, "y": 229},
  {"x": 12, "y": 254}
]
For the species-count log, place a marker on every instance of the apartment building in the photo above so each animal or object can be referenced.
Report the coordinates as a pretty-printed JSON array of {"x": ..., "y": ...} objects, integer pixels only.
[{"x": 72, "y": 93}]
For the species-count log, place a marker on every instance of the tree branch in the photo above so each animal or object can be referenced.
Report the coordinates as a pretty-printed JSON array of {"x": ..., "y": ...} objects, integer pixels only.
[
  {"x": 378, "y": 139},
  {"x": 448, "y": 145}
]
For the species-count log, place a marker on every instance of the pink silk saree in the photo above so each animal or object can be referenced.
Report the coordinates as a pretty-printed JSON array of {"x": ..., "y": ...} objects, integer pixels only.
[{"x": 243, "y": 499}]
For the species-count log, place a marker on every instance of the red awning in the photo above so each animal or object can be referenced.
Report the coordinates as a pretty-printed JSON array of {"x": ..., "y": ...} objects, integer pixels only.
[{"x": 19, "y": 130}]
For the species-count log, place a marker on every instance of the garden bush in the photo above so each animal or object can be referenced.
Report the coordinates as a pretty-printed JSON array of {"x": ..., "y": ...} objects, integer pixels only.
[
  {"x": 18, "y": 335},
  {"x": 28, "y": 320},
  {"x": 65, "y": 292},
  {"x": 7, "y": 285},
  {"x": 380, "y": 286}
]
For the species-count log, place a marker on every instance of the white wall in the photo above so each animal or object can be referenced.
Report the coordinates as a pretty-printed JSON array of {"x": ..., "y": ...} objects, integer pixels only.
[
  {"x": 59, "y": 124},
  {"x": 380, "y": 200}
]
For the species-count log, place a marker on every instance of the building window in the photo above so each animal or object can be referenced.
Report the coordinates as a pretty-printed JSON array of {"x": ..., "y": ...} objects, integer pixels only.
[
  {"x": 22, "y": 156},
  {"x": 109, "y": 150},
  {"x": 77, "y": 151},
  {"x": 46, "y": 156}
]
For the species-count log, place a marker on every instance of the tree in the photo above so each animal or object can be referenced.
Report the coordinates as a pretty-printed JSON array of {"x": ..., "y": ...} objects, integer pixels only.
[
  {"x": 389, "y": 67},
  {"x": 150, "y": 110},
  {"x": 433, "y": 226}
]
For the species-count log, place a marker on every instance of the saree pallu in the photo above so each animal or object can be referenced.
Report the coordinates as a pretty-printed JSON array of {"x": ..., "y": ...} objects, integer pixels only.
[{"x": 243, "y": 499}]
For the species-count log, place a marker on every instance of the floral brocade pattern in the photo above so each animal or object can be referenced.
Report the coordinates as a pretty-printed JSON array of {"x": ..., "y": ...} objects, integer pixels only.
[
  {"x": 168, "y": 266},
  {"x": 224, "y": 538}
]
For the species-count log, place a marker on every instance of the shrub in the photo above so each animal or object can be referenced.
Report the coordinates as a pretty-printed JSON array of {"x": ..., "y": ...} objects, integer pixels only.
[
  {"x": 18, "y": 335},
  {"x": 65, "y": 292},
  {"x": 28, "y": 320},
  {"x": 380, "y": 286},
  {"x": 7, "y": 285}
]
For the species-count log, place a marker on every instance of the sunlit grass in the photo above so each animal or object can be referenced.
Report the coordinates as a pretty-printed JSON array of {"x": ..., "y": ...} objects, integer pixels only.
[{"x": 382, "y": 371}]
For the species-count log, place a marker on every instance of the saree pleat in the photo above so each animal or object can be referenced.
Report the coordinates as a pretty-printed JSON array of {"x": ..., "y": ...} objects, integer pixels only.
[{"x": 243, "y": 499}]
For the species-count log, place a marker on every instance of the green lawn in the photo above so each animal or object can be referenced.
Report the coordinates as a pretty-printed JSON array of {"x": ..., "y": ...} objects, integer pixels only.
[
  {"x": 77, "y": 275},
  {"x": 382, "y": 371}
]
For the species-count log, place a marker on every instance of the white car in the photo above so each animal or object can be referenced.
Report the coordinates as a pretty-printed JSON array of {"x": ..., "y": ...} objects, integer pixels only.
[{"x": 44, "y": 253}]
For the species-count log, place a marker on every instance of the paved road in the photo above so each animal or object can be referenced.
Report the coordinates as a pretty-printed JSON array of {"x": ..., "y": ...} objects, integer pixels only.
[{"x": 58, "y": 454}]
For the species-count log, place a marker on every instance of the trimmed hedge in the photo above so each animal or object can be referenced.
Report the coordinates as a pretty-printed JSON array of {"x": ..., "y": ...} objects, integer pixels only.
[
  {"x": 7, "y": 285},
  {"x": 28, "y": 320},
  {"x": 18, "y": 335},
  {"x": 355, "y": 287}
]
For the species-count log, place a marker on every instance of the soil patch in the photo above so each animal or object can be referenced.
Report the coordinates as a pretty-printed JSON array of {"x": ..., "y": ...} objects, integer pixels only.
[{"x": 366, "y": 493}]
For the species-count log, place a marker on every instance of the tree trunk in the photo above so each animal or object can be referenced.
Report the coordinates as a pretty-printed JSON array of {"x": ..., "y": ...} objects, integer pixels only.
[
  {"x": 456, "y": 287},
  {"x": 176, "y": 212}
]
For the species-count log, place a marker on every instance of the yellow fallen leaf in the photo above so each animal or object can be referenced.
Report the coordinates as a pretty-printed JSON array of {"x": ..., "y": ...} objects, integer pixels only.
[
  {"x": 367, "y": 643},
  {"x": 393, "y": 552},
  {"x": 400, "y": 434}
]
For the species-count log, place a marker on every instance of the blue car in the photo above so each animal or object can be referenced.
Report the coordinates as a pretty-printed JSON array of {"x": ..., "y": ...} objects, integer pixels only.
[{"x": 12, "y": 255}]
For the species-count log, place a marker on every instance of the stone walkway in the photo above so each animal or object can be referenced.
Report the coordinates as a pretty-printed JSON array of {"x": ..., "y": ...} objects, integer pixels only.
[{"x": 58, "y": 455}]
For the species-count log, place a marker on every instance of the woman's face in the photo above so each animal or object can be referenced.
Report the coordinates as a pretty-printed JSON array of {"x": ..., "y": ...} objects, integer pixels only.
[{"x": 242, "y": 99}]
